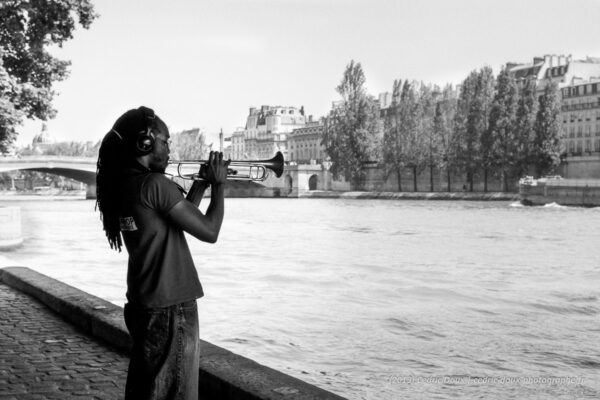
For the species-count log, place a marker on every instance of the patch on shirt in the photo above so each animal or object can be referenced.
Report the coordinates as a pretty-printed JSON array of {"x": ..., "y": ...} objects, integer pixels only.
[{"x": 127, "y": 224}]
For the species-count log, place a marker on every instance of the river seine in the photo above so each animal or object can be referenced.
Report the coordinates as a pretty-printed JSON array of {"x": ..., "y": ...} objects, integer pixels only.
[{"x": 377, "y": 299}]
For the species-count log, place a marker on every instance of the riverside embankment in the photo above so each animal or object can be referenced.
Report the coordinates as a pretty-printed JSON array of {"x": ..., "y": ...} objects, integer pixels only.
[
  {"x": 46, "y": 358},
  {"x": 473, "y": 196}
]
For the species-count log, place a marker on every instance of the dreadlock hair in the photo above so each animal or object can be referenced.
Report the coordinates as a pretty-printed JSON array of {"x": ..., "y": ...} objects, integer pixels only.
[{"x": 117, "y": 151}]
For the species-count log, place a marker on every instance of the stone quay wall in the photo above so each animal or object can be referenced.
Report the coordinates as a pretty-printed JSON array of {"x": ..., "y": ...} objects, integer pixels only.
[{"x": 223, "y": 374}]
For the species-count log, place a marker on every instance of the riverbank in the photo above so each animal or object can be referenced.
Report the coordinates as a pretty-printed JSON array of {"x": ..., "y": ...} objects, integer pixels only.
[
  {"x": 84, "y": 368},
  {"x": 473, "y": 196},
  {"x": 315, "y": 194},
  {"x": 33, "y": 196}
]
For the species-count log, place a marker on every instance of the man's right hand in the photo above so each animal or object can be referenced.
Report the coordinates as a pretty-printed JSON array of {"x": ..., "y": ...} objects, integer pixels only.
[{"x": 215, "y": 170}]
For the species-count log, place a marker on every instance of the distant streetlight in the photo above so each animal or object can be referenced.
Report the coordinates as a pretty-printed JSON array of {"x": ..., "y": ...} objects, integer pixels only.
[{"x": 326, "y": 164}]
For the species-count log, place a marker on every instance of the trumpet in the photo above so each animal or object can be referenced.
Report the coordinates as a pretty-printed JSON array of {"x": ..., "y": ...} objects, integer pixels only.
[{"x": 255, "y": 171}]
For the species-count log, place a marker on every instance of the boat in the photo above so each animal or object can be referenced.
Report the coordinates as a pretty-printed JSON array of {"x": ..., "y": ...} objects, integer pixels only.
[{"x": 559, "y": 190}]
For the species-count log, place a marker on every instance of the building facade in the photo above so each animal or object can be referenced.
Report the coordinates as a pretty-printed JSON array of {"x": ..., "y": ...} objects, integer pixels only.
[
  {"x": 579, "y": 88},
  {"x": 580, "y": 118},
  {"x": 266, "y": 132},
  {"x": 561, "y": 69},
  {"x": 304, "y": 144}
]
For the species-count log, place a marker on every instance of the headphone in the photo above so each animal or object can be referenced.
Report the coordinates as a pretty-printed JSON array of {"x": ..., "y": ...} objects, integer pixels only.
[{"x": 144, "y": 142}]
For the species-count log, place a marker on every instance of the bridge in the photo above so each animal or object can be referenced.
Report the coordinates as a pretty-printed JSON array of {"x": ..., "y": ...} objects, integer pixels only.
[
  {"x": 82, "y": 169},
  {"x": 296, "y": 179}
]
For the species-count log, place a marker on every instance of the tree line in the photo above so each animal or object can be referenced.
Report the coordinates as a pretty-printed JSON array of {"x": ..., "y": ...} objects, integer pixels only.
[
  {"x": 488, "y": 126},
  {"x": 188, "y": 144}
]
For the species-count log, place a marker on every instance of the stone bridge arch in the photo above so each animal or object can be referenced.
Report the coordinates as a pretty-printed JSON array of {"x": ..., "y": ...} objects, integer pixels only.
[
  {"x": 300, "y": 179},
  {"x": 79, "y": 169}
]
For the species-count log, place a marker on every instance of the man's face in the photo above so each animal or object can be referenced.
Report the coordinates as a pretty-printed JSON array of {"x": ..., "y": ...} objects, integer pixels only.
[{"x": 159, "y": 157}]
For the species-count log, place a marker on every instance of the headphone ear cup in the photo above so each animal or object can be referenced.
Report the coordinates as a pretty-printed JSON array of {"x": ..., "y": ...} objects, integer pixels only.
[{"x": 144, "y": 144}]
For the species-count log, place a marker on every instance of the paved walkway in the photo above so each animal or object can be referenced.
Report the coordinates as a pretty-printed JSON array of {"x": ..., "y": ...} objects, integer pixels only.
[{"x": 44, "y": 357}]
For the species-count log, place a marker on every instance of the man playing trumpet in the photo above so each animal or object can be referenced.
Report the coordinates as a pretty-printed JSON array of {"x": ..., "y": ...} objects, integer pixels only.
[{"x": 150, "y": 213}]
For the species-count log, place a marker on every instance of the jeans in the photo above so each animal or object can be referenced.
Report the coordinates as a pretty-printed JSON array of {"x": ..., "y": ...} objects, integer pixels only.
[{"x": 165, "y": 353}]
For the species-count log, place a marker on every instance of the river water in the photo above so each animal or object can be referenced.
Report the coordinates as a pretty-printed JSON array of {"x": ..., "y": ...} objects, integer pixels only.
[{"x": 377, "y": 299}]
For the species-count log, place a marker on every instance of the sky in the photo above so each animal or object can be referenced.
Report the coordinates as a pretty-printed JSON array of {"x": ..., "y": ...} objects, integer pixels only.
[{"x": 203, "y": 64}]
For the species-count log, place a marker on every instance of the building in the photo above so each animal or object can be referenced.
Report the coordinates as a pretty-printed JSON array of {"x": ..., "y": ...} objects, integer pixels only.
[
  {"x": 266, "y": 132},
  {"x": 385, "y": 100},
  {"x": 579, "y": 85},
  {"x": 42, "y": 141},
  {"x": 237, "y": 148},
  {"x": 557, "y": 68},
  {"x": 580, "y": 118},
  {"x": 227, "y": 149},
  {"x": 304, "y": 144}
]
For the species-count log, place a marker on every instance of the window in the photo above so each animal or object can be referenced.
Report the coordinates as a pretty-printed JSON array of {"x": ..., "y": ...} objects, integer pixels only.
[
  {"x": 572, "y": 132},
  {"x": 579, "y": 146},
  {"x": 597, "y": 145},
  {"x": 588, "y": 145},
  {"x": 579, "y": 131},
  {"x": 588, "y": 131}
]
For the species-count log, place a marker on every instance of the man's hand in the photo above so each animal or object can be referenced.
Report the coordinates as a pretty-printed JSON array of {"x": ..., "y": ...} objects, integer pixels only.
[{"x": 215, "y": 170}]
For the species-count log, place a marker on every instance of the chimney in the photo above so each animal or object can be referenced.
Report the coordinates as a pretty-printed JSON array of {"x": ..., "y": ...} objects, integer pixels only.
[{"x": 548, "y": 60}]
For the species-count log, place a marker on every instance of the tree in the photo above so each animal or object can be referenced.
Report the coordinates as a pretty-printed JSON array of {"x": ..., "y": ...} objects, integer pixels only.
[
  {"x": 475, "y": 100},
  {"x": 480, "y": 110},
  {"x": 466, "y": 136},
  {"x": 189, "y": 145},
  {"x": 350, "y": 132},
  {"x": 547, "y": 142},
  {"x": 420, "y": 143},
  {"x": 27, "y": 69},
  {"x": 443, "y": 122},
  {"x": 403, "y": 139},
  {"x": 502, "y": 126},
  {"x": 525, "y": 125},
  {"x": 393, "y": 155}
]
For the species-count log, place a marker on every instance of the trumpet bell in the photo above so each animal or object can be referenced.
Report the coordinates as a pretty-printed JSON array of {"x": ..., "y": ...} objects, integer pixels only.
[{"x": 277, "y": 164}]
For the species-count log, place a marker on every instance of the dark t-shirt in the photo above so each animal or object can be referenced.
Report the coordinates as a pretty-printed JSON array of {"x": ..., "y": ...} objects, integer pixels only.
[{"x": 161, "y": 271}]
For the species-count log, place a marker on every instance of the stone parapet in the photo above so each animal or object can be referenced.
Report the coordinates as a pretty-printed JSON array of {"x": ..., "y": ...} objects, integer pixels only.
[{"x": 223, "y": 374}]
